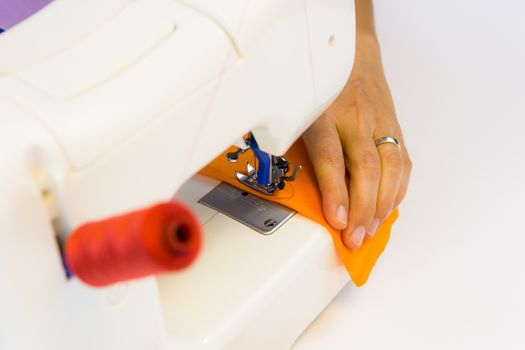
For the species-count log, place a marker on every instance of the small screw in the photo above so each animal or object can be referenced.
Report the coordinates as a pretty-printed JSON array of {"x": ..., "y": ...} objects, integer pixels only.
[{"x": 270, "y": 223}]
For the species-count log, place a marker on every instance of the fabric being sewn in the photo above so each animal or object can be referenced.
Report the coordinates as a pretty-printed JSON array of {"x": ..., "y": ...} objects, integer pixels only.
[{"x": 303, "y": 196}]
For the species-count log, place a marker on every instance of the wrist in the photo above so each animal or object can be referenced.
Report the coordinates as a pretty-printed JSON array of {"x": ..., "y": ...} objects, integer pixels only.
[{"x": 367, "y": 50}]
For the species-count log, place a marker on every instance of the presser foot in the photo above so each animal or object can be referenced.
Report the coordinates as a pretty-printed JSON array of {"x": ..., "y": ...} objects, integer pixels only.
[
  {"x": 271, "y": 173},
  {"x": 279, "y": 169},
  {"x": 250, "y": 180}
]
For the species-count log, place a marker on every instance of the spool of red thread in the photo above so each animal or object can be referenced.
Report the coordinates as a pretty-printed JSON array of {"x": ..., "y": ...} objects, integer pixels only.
[{"x": 162, "y": 238}]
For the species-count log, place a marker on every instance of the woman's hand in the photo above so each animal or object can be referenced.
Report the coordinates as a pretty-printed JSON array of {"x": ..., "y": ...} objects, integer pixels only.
[{"x": 341, "y": 142}]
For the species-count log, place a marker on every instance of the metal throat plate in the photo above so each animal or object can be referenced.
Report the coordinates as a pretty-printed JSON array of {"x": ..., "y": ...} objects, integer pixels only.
[{"x": 260, "y": 214}]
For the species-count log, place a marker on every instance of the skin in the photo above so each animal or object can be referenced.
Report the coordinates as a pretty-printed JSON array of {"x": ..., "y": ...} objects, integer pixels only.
[{"x": 341, "y": 143}]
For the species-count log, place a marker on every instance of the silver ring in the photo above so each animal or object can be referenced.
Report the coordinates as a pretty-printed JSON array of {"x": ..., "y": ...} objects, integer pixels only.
[{"x": 387, "y": 139}]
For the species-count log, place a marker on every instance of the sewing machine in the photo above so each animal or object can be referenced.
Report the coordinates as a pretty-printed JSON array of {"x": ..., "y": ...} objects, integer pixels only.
[{"x": 111, "y": 105}]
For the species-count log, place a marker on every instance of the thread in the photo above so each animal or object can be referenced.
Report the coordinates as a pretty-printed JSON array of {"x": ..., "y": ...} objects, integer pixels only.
[{"x": 165, "y": 237}]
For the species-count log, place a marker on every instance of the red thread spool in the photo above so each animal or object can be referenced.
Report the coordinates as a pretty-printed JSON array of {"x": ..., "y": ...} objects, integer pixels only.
[{"x": 165, "y": 237}]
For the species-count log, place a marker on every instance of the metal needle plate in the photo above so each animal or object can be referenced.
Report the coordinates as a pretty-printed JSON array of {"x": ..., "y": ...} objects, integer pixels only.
[{"x": 260, "y": 214}]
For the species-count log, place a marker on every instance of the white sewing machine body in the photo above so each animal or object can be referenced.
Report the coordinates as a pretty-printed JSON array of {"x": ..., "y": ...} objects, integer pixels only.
[{"x": 115, "y": 105}]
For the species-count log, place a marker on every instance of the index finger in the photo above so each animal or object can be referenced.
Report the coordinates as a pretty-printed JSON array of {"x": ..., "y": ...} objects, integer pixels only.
[{"x": 325, "y": 150}]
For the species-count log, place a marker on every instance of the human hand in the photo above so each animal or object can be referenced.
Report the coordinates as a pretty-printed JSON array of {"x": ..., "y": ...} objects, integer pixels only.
[{"x": 341, "y": 142}]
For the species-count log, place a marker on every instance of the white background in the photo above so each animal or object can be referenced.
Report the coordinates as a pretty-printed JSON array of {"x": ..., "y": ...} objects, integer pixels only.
[{"x": 453, "y": 275}]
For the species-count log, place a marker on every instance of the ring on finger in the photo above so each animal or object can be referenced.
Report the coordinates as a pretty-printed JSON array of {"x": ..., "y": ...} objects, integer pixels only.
[{"x": 387, "y": 139}]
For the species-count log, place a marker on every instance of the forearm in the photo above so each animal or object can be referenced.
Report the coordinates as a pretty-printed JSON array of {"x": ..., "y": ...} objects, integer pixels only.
[{"x": 367, "y": 46}]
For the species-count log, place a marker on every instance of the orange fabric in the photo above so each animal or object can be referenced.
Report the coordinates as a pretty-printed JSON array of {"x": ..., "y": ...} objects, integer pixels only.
[{"x": 303, "y": 195}]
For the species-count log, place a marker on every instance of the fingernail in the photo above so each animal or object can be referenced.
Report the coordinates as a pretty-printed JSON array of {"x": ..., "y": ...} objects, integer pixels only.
[
  {"x": 342, "y": 214},
  {"x": 374, "y": 226},
  {"x": 358, "y": 235}
]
